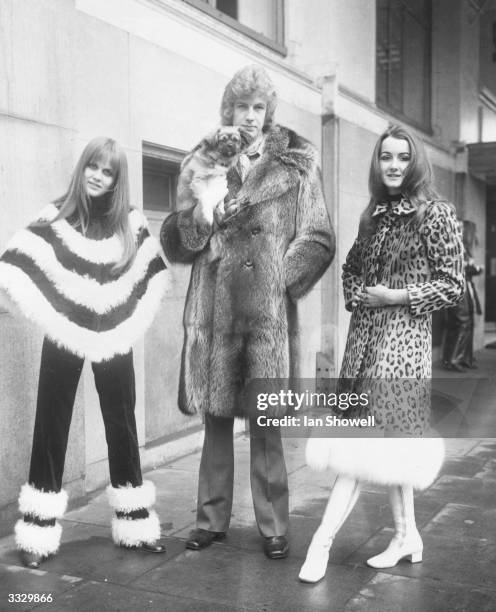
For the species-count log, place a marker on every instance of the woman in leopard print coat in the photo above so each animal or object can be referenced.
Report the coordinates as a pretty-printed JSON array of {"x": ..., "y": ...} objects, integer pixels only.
[{"x": 406, "y": 262}]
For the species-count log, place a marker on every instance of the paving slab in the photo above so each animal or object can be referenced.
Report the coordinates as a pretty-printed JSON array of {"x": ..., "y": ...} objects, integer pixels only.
[
  {"x": 87, "y": 551},
  {"x": 95, "y": 597},
  {"x": 96, "y": 512},
  {"x": 28, "y": 584},
  {"x": 188, "y": 463},
  {"x": 8, "y": 553},
  {"x": 462, "y": 490},
  {"x": 459, "y": 447},
  {"x": 462, "y": 466},
  {"x": 467, "y": 561},
  {"x": 485, "y": 449},
  {"x": 386, "y": 593},
  {"x": 99, "y": 559},
  {"x": 221, "y": 574},
  {"x": 354, "y": 534},
  {"x": 176, "y": 502},
  {"x": 460, "y": 521},
  {"x": 488, "y": 471}
]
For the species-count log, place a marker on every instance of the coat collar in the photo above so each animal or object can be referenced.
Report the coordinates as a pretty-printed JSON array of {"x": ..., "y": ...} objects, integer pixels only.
[
  {"x": 401, "y": 208},
  {"x": 287, "y": 160},
  {"x": 290, "y": 149}
]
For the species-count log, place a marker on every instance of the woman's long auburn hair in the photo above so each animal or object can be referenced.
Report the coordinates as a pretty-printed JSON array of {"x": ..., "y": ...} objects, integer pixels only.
[
  {"x": 75, "y": 202},
  {"x": 417, "y": 183}
]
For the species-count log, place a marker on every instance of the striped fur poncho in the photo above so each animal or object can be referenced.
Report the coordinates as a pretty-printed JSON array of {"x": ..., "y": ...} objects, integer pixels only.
[{"x": 63, "y": 282}]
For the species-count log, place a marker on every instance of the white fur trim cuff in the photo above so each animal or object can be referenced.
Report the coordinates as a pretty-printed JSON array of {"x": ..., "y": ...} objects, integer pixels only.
[
  {"x": 41, "y": 504},
  {"x": 389, "y": 461},
  {"x": 39, "y": 540},
  {"x": 128, "y": 498},
  {"x": 129, "y": 532}
]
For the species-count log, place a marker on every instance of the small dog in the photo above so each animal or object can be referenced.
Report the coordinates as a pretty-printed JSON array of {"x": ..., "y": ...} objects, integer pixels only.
[{"x": 215, "y": 154}]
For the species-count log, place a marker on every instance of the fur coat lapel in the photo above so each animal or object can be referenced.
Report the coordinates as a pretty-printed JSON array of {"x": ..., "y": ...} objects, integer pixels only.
[{"x": 286, "y": 158}]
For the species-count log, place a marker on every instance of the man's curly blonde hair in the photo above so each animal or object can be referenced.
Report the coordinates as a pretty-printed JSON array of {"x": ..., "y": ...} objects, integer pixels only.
[{"x": 248, "y": 81}]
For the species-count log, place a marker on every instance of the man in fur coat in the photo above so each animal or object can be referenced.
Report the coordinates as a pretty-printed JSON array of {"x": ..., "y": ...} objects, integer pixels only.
[{"x": 254, "y": 254}]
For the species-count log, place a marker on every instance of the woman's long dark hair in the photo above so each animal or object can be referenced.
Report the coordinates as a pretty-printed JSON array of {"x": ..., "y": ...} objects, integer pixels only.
[
  {"x": 75, "y": 203},
  {"x": 417, "y": 183}
]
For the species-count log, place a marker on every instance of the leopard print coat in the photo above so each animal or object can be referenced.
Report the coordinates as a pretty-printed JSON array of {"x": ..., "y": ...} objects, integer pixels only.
[{"x": 389, "y": 350}]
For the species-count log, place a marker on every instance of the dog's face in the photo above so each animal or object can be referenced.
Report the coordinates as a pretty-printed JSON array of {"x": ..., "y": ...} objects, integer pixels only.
[{"x": 226, "y": 142}]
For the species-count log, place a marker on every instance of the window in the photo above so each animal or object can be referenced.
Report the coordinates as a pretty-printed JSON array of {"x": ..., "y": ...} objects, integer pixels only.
[
  {"x": 228, "y": 7},
  {"x": 262, "y": 20},
  {"x": 487, "y": 54},
  {"x": 160, "y": 173},
  {"x": 403, "y": 59}
]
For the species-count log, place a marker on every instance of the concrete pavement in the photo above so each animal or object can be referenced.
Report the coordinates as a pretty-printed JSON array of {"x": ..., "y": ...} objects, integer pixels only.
[{"x": 456, "y": 515}]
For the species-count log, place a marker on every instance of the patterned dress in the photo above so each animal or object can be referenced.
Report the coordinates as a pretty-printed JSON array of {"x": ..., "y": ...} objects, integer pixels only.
[{"x": 389, "y": 350}]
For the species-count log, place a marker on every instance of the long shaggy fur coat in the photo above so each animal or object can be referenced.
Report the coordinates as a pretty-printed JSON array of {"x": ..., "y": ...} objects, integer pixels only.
[{"x": 240, "y": 317}]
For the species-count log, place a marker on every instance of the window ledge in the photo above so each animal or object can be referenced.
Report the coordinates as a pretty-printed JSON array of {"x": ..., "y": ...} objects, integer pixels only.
[
  {"x": 236, "y": 25},
  {"x": 157, "y": 216},
  {"x": 170, "y": 154},
  {"x": 204, "y": 20},
  {"x": 190, "y": 18}
]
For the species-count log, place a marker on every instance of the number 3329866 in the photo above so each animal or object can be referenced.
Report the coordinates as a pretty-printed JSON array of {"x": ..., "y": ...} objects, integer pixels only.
[{"x": 30, "y": 597}]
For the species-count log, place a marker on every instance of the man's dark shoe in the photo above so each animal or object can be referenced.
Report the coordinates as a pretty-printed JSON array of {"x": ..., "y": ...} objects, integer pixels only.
[
  {"x": 201, "y": 538},
  {"x": 454, "y": 367},
  {"x": 470, "y": 366},
  {"x": 276, "y": 547}
]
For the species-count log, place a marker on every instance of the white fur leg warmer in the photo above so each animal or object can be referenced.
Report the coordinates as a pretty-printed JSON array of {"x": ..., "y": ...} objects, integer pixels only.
[
  {"x": 388, "y": 461},
  {"x": 129, "y": 532},
  {"x": 41, "y": 504},
  {"x": 128, "y": 498},
  {"x": 132, "y": 532},
  {"x": 36, "y": 539}
]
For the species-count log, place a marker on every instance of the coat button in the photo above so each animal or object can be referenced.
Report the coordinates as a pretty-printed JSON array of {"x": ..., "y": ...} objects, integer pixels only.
[
  {"x": 249, "y": 263},
  {"x": 255, "y": 231}
]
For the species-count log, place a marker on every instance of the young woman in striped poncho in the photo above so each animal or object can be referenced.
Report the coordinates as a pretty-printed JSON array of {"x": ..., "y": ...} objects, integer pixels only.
[{"x": 90, "y": 275}]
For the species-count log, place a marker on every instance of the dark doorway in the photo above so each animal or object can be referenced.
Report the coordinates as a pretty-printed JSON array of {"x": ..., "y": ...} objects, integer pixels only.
[{"x": 491, "y": 255}]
